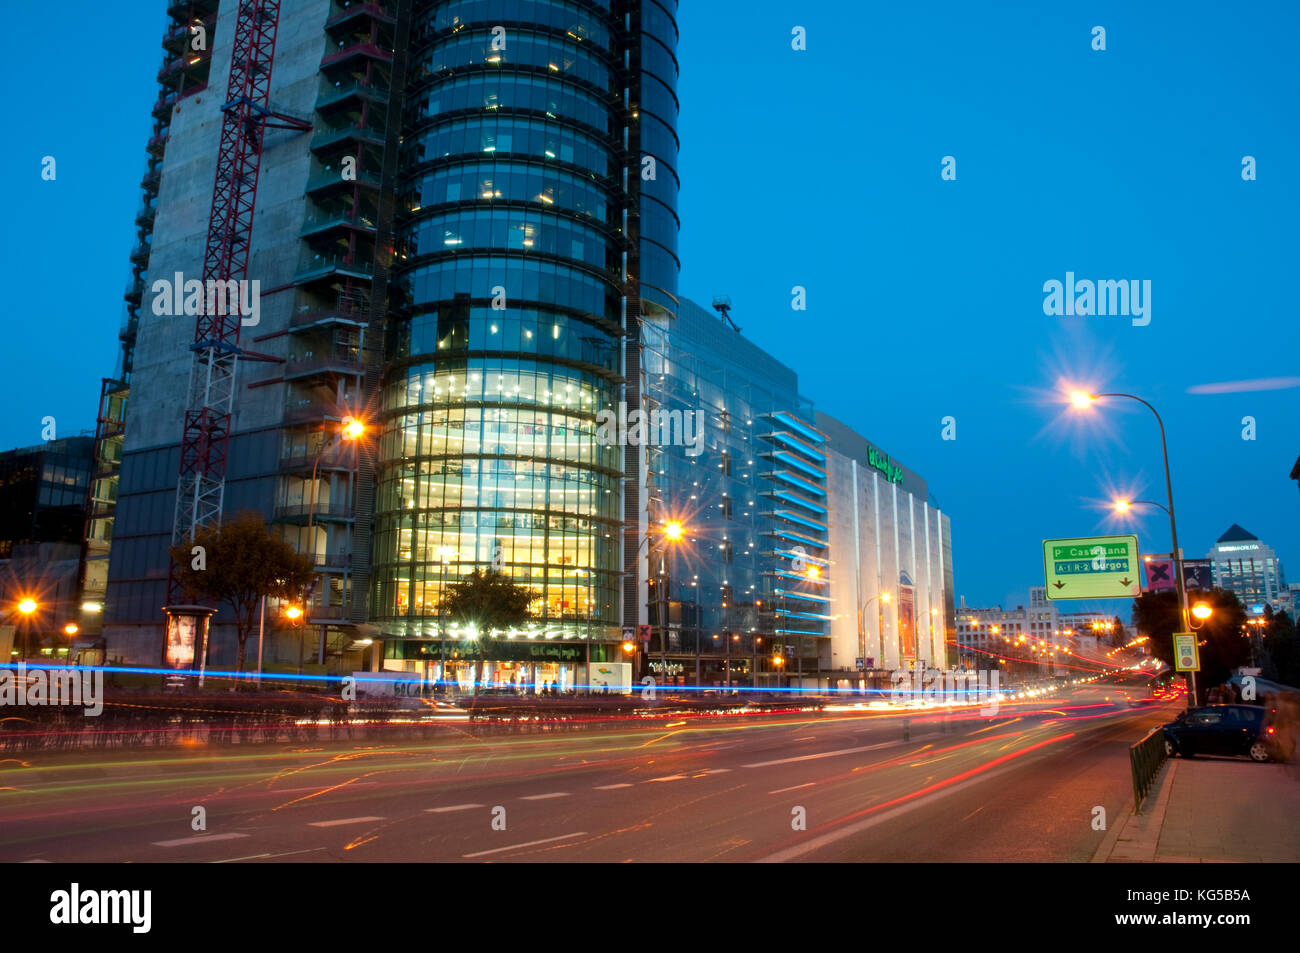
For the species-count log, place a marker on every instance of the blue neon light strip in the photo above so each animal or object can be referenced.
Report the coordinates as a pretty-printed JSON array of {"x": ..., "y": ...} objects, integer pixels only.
[
  {"x": 805, "y": 615},
  {"x": 798, "y": 481},
  {"x": 788, "y": 458},
  {"x": 790, "y": 440},
  {"x": 807, "y": 596},
  {"x": 794, "y": 423},
  {"x": 789, "y": 497},
  {"x": 795, "y": 518},
  {"x": 797, "y": 537}
]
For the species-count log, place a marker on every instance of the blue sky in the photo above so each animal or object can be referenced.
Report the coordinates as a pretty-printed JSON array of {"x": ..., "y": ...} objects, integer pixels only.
[{"x": 821, "y": 168}]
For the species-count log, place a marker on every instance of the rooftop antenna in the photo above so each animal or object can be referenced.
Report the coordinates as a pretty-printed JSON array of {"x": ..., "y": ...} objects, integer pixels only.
[{"x": 722, "y": 305}]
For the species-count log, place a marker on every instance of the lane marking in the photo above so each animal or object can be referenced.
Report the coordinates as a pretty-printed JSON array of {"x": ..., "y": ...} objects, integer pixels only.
[
  {"x": 288, "y": 853},
  {"x": 450, "y": 808},
  {"x": 344, "y": 820},
  {"x": 543, "y": 797},
  {"x": 910, "y": 802},
  {"x": 716, "y": 770},
  {"x": 824, "y": 754},
  {"x": 670, "y": 777},
  {"x": 794, "y": 788},
  {"x": 531, "y": 843},
  {"x": 199, "y": 839},
  {"x": 611, "y": 787}
]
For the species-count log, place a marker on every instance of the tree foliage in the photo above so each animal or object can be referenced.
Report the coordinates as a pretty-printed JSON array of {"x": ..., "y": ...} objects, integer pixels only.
[
  {"x": 241, "y": 562},
  {"x": 490, "y": 601},
  {"x": 1222, "y": 648}
]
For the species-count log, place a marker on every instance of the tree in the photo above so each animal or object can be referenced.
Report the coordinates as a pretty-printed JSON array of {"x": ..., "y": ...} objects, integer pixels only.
[
  {"x": 1282, "y": 649},
  {"x": 1118, "y": 634},
  {"x": 240, "y": 563},
  {"x": 490, "y": 601},
  {"x": 1221, "y": 646}
]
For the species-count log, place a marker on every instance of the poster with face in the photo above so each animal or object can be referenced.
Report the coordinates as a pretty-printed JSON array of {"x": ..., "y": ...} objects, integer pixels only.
[{"x": 182, "y": 638}]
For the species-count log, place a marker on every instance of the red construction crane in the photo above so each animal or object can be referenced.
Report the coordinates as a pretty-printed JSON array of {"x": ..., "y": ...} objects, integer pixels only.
[{"x": 201, "y": 484}]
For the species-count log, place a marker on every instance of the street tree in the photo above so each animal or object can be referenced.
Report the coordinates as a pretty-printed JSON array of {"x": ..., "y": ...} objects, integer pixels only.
[
  {"x": 1219, "y": 639},
  {"x": 241, "y": 561},
  {"x": 489, "y": 601}
]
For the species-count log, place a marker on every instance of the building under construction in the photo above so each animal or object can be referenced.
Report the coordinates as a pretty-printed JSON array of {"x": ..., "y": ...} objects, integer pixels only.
[{"x": 455, "y": 214}]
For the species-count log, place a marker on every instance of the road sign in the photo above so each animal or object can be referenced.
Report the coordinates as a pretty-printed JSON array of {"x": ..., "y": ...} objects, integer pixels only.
[
  {"x": 1186, "y": 658},
  {"x": 1092, "y": 567}
]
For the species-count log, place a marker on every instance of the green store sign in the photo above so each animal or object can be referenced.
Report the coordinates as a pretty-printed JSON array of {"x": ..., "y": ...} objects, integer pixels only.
[{"x": 880, "y": 461}]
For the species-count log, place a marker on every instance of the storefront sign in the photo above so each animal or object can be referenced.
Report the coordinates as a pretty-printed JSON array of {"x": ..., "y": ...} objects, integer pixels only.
[{"x": 892, "y": 471}]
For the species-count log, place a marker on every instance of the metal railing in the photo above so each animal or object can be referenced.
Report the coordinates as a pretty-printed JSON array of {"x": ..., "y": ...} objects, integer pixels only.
[{"x": 1145, "y": 759}]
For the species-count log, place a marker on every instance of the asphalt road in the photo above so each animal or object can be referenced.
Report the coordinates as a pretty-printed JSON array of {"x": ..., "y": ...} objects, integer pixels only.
[{"x": 1022, "y": 785}]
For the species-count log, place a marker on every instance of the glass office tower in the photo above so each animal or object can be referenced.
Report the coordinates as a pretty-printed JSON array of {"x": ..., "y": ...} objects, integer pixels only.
[{"x": 526, "y": 233}]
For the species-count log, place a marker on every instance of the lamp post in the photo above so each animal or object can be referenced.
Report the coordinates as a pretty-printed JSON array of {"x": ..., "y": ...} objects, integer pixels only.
[
  {"x": 445, "y": 554},
  {"x": 882, "y": 598},
  {"x": 1082, "y": 399},
  {"x": 352, "y": 430}
]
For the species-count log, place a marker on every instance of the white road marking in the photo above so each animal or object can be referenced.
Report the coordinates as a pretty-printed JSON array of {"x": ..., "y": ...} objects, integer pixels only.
[
  {"x": 543, "y": 797},
  {"x": 450, "y": 808},
  {"x": 531, "y": 843},
  {"x": 670, "y": 777},
  {"x": 818, "y": 842},
  {"x": 199, "y": 839},
  {"x": 824, "y": 754},
  {"x": 611, "y": 787},
  {"x": 345, "y": 820},
  {"x": 794, "y": 788},
  {"x": 716, "y": 770}
]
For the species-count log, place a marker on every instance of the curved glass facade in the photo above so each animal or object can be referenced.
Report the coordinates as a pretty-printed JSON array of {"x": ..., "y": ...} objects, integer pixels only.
[{"x": 514, "y": 246}]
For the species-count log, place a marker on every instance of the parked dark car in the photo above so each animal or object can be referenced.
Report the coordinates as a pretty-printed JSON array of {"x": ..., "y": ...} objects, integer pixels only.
[{"x": 1223, "y": 730}]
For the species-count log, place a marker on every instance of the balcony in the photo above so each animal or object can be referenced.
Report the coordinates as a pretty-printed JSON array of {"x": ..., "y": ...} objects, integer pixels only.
[
  {"x": 340, "y": 361},
  {"x": 358, "y": 89},
  {"x": 317, "y": 267},
  {"x": 326, "y": 181},
  {"x": 158, "y": 143},
  {"x": 140, "y": 254},
  {"x": 352, "y": 11},
  {"x": 145, "y": 214},
  {"x": 332, "y": 560},
  {"x": 310, "y": 410},
  {"x": 363, "y": 48},
  {"x": 301, "y": 512},
  {"x": 332, "y": 135},
  {"x": 339, "y": 459},
  {"x": 348, "y": 313},
  {"x": 323, "y": 222}
]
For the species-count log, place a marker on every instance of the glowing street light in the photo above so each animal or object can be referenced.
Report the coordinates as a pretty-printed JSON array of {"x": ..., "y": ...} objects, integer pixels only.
[
  {"x": 1202, "y": 611},
  {"x": 293, "y": 613},
  {"x": 1082, "y": 399},
  {"x": 673, "y": 531},
  {"x": 71, "y": 628},
  {"x": 28, "y": 606}
]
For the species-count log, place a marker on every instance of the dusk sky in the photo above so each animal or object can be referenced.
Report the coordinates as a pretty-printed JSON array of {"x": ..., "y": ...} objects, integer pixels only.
[{"x": 821, "y": 168}]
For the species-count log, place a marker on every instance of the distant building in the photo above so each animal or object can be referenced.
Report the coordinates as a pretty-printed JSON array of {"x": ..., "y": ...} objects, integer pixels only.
[
  {"x": 1019, "y": 640},
  {"x": 43, "y": 491},
  {"x": 1249, "y": 568}
]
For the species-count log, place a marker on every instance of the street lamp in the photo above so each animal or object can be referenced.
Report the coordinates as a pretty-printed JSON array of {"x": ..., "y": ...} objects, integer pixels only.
[
  {"x": 673, "y": 532},
  {"x": 883, "y": 598},
  {"x": 352, "y": 430},
  {"x": 1082, "y": 399}
]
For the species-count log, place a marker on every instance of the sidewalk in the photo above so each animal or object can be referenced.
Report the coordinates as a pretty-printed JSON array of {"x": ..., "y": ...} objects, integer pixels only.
[{"x": 1212, "y": 810}]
